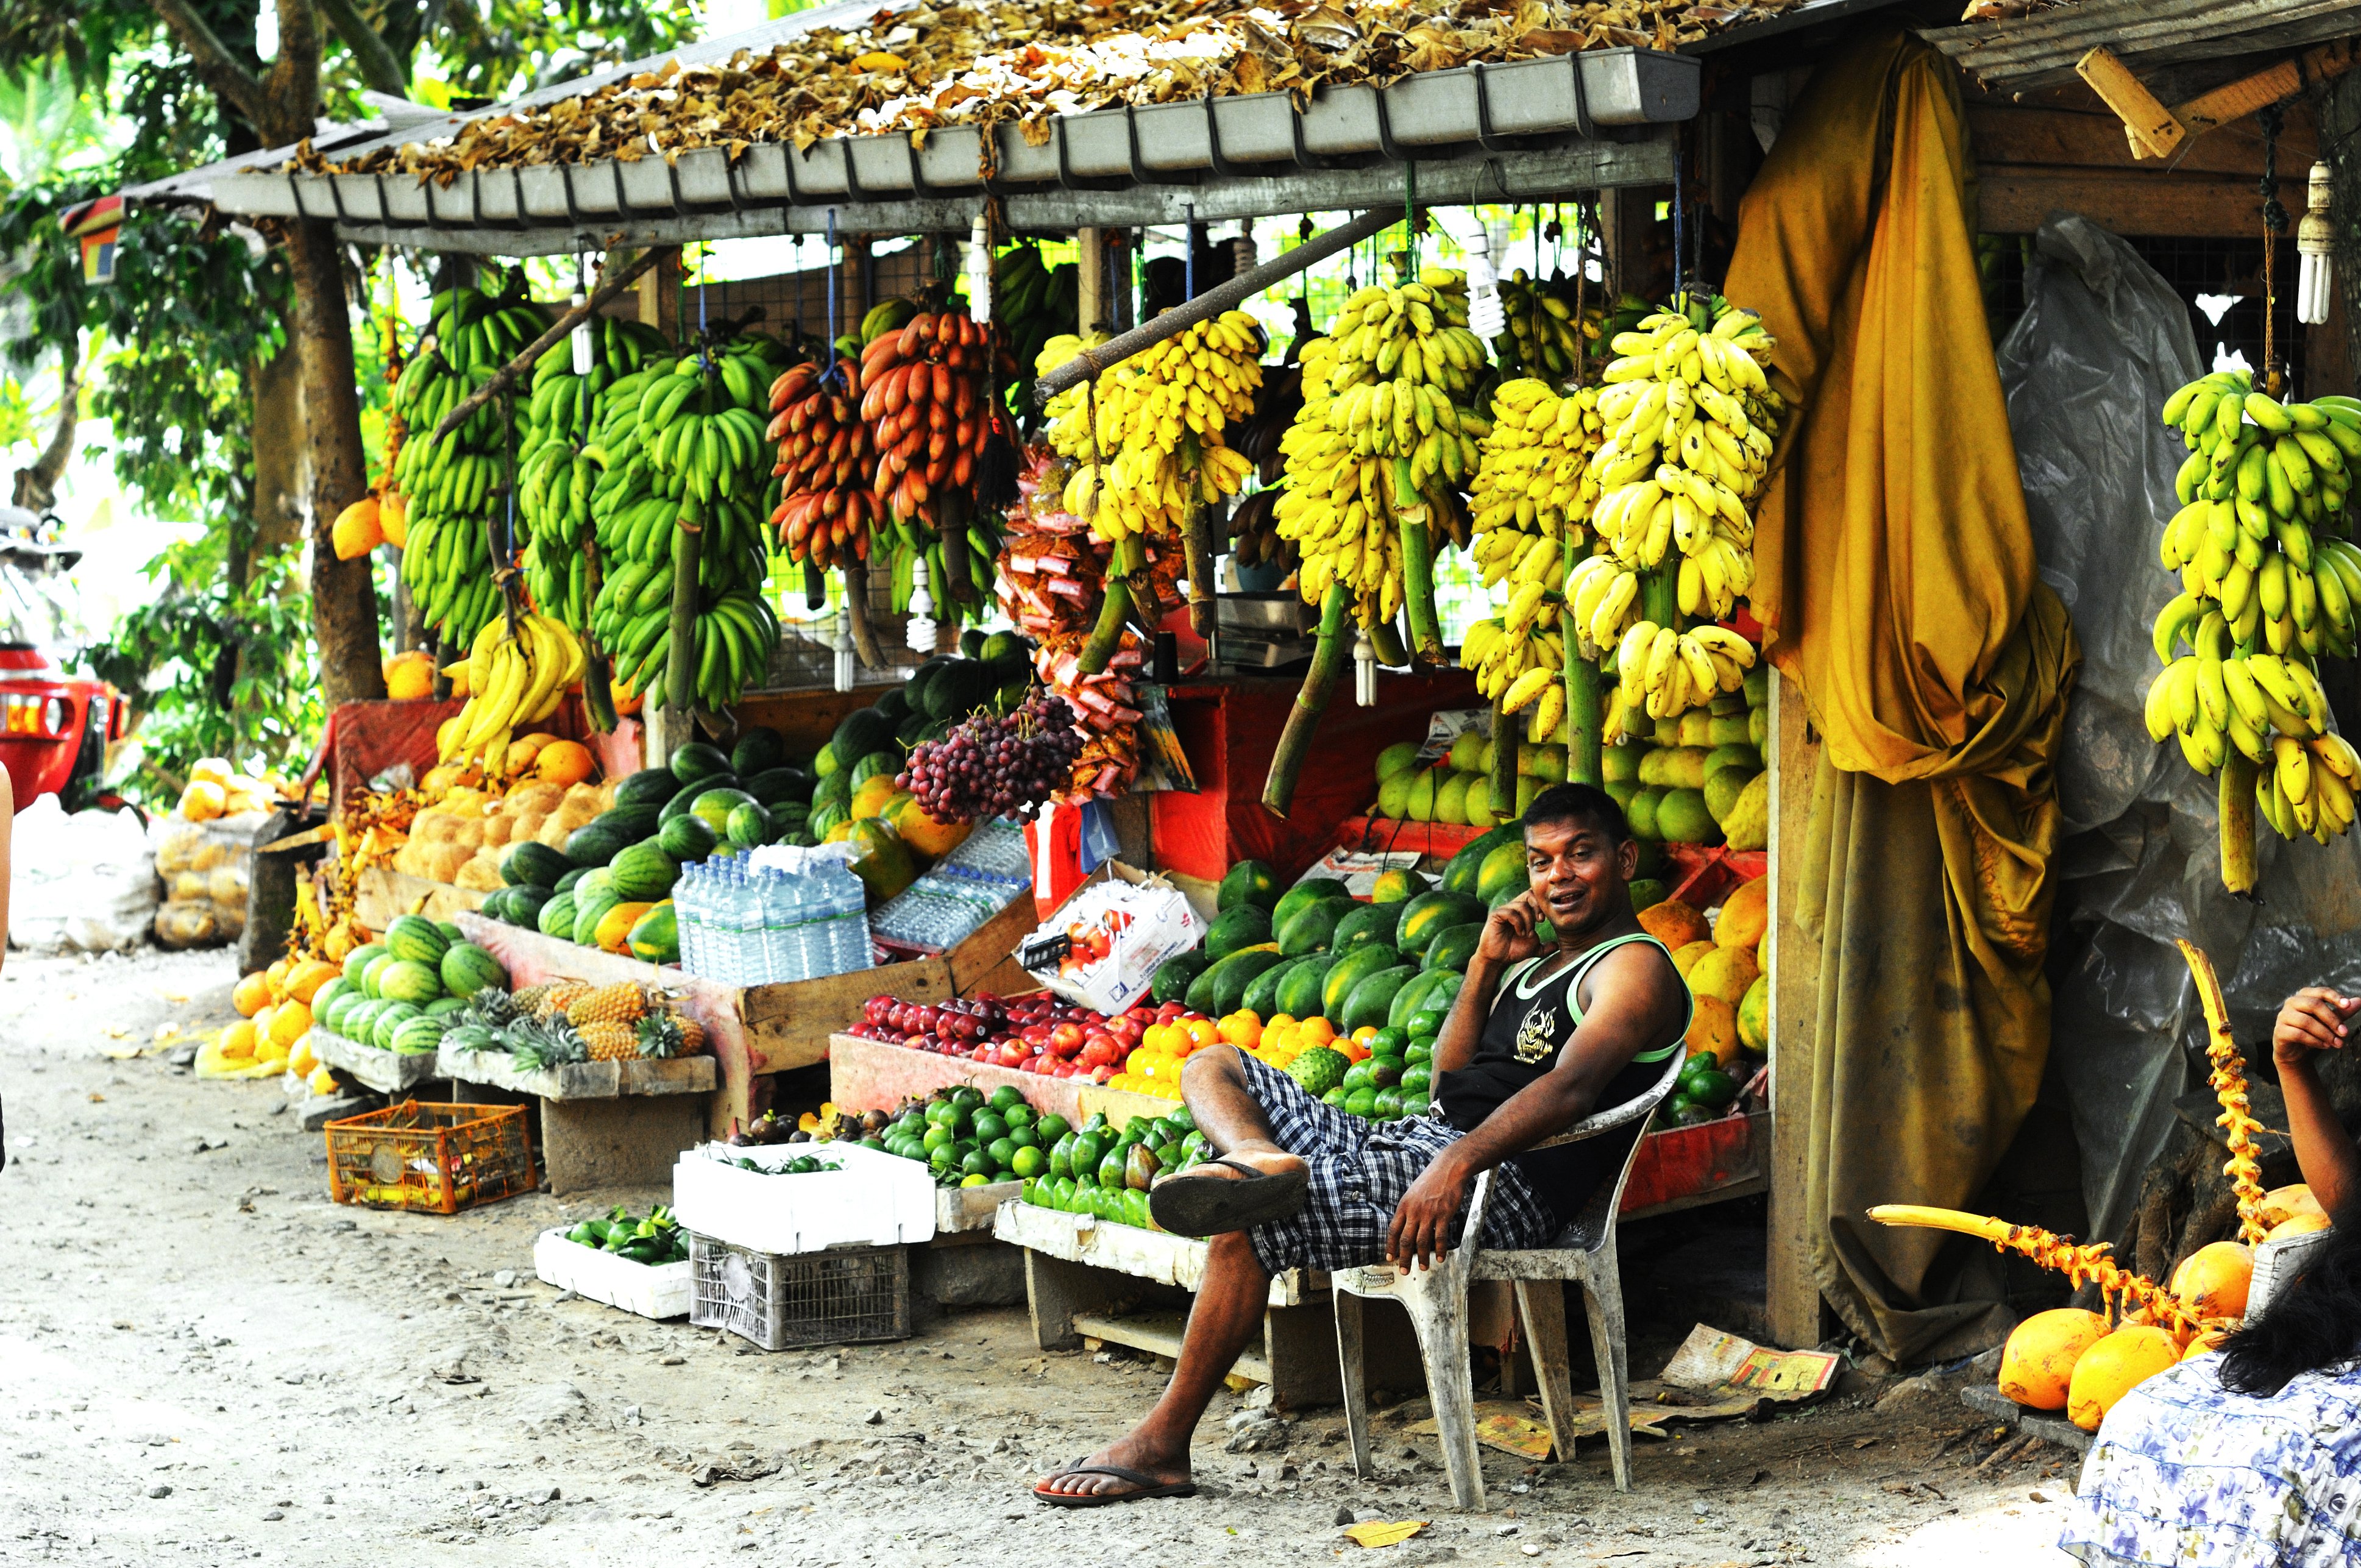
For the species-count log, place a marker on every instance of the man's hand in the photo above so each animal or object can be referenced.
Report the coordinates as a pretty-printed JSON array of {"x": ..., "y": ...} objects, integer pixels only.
[
  {"x": 1421, "y": 1233},
  {"x": 1509, "y": 934},
  {"x": 2313, "y": 1019}
]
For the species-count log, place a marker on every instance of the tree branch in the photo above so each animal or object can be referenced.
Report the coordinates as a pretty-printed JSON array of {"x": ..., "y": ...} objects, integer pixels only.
[
  {"x": 215, "y": 66},
  {"x": 380, "y": 67},
  {"x": 530, "y": 355}
]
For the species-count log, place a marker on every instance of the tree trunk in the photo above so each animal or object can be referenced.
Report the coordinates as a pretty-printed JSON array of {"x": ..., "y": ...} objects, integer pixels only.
[
  {"x": 278, "y": 388},
  {"x": 36, "y": 487},
  {"x": 343, "y": 596}
]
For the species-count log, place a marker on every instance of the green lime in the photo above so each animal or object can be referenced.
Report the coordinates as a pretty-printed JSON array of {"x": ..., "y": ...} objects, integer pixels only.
[
  {"x": 1388, "y": 1042},
  {"x": 967, "y": 1099},
  {"x": 989, "y": 1125},
  {"x": 1002, "y": 1152},
  {"x": 1017, "y": 1115},
  {"x": 939, "y": 1157},
  {"x": 936, "y": 1137},
  {"x": 910, "y": 1121},
  {"x": 1023, "y": 1138},
  {"x": 1027, "y": 1163},
  {"x": 1005, "y": 1096},
  {"x": 940, "y": 1112},
  {"x": 1052, "y": 1127},
  {"x": 975, "y": 1178},
  {"x": 1428, "y": 1021},
  {"x": 1414, "y": 1079},
  {"x": 1358, "y": 1076},
  {"x": 1361, "y": 1101},
  {"x": 977, "y": 1164},
  {"x": 1384, "y": 1071}
]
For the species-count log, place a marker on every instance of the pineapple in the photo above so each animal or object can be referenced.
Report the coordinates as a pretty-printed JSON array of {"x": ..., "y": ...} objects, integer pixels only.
[
  {"x": 659, "y": 1037},
  {"x": 493, "y": 1008},
  {"x": 623, "y": 1003},
  {"x": 609, "y": 1040},
  {"x": 528, "y": 1001},
  {"x": 537, "y": 1044},
  {"x": 561, "y": 995}
]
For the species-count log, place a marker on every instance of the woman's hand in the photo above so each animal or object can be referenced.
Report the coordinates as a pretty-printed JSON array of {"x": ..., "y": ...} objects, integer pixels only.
[
  {"x": 1508, "y": 933},
  {"x": 2313, "y": 1019}
]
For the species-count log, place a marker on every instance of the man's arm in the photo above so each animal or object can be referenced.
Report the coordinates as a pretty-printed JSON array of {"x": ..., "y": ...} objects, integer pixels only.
[{"x": 1633, "y": 1007}]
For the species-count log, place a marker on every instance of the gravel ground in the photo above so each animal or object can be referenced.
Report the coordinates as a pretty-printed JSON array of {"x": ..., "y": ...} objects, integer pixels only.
[{"x": 203, "y": 1360}]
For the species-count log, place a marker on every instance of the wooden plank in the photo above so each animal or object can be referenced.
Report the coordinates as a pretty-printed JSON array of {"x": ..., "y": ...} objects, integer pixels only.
[
  {"x": 587, "y": 1080},
  {"x": 985, "y": 959},
  {"x": 2237, "y": 100},
  {"x": 388, "y": 1072},
  {"x": 2011, "y": 138},
  {"x": 1093, "y": 298},
  {"x": 381, "y": 892},
  {"x": 2040, "y": 50},
  {"x": 2153, "y": 131},
  {"x": 806, "y": 719},
  {"x": 1793, "y": 1303},
  {"x": 2016, "y": 200},
  {"x": 879, "y": 1075},
  {"x": 1161, "y": 1332},
  {"x": 1153, "y": 1255}
]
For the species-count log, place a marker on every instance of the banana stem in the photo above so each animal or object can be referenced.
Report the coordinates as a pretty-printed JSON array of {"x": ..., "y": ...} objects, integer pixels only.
[
  {"x": 1197, "y": 534},
  {"x": 815, "y": 587},
  {"x": 2080, "y": 1262},
  {"x": 1329, "y": 657},
  {"x": 597, "y": 685},
  {"x": 2229, "y": 1082},
  {"x": 1660, "y": 597},
  {"x": 856, "y": 615},
  {"x": 950, "y": 534},
  {"x": 680, "y": 662},
  {"x": 442, "y": 681},
  {"x": 2235, "y": 806},
  {"x": 1130, "y": 557},
  {"x": 1586, "y": 718},
  {"x": 1386, "y": 637},
  {"x": 1411, "y": 513},
  {"x": 1503, "y": 781}
]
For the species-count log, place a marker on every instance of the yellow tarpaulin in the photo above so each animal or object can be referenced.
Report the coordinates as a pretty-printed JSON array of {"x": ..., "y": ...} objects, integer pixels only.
[{"x": 1895, "y": 577}]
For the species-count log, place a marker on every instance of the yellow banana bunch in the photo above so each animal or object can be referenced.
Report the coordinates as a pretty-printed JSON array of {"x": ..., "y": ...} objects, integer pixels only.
[
  {"x": 1663, "y": 671},
  {"x": 1521, "y": 663},
  {"x": 1533, "y": 486},
  {"x": 1602, "y": 595},
  {"x": 512, "y": 680},
  {"x": 1690, "y": 421},
  {"x": 2307, "y": 786},
  {"x": 1158, "y": 438},
  {"x": 1385, "y": 434},
  {"x": 1544, "y": 338}
]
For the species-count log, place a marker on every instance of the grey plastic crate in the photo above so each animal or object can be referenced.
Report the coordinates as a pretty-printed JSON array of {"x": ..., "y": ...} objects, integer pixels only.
[{"x": 843, "y": 1296}]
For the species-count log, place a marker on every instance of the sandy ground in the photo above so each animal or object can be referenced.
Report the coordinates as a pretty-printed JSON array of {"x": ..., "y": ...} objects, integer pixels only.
[{"x": 203, "y": 1360}]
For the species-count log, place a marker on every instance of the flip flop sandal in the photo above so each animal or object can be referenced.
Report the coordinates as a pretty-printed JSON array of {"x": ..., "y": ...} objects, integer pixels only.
[
  {"x": 1206, "y": 1206},
  {"x": 1144, "y": 1486}
]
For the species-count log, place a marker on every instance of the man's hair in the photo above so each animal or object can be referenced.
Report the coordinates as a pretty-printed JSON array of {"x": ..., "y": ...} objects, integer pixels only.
[{"x": 1579, "y": 802}]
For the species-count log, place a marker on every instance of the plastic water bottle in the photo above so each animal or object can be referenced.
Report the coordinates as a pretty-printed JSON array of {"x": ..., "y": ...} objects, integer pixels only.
[
  {"x": 783, "y": 958},
  {"x": 731, "y": 900},
  {"x": 849, "y": 924},
  {"x": 684, "y": 914}
]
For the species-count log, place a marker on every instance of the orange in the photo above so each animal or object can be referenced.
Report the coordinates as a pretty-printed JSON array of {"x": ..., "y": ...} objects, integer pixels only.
[
  {"x": 1203, "y": 1032},
  {"x": 1241, "y": 1029},
  {"x": 1365, "y": 1034},
  {"x": 1315, "y": 1031}
]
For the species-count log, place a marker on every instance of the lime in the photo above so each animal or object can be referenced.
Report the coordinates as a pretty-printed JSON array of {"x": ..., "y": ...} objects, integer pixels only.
[
  {"x": 939, "y": 1157},
  {"x": 940, "y": 1111},
  {"x": 967, "y": 1099},
  {"x": 910, "y": 1121},
  {"x": 1005, "y": 1096},
  {"x": 977, "y": 1163},
  {"x": 1361, "y": 1101},
  {"x": 989, "y": 1125},
  {"x": 1027, "y": 1163},
  {"x": 975, "y": 1178},
  {"x": 1414, "y": 1079},
  {"x": 1427, "y": 1022},
  {"x": 1017, "y": 1115},
  {"x": 936, "y": 1137},
  {"x": 1023, "y": 1138},
  {"x": 1052, "y": 1127},
  {"x": 1390, "y": 1042},
  {"x": 1002, "y": 1152}
]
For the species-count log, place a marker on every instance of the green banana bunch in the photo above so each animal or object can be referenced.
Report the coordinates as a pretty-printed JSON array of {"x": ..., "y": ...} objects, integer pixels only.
[
  {"x": 556, "y": 473},
  {"x": 1544, "y": 338},
  {"x": 449, "y": 485},
  {"x": 906, "y": 541},
  {"x": 1033, "y": 302},
  {"x": 1386, "y": 436},
  {"x": 679, "y": 444},
  {"x": 1691, "y": 419}
]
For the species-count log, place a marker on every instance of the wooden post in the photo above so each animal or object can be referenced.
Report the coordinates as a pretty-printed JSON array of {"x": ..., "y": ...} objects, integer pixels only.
[
  {"x": 1792, "y": 1295},
  {"x": 1091, "y": 265},
  {"x": 2148, "y": 124}
]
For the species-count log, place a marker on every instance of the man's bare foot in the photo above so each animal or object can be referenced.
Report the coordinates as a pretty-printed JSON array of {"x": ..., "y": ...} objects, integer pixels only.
[{"x": 1131, "y": 1451}]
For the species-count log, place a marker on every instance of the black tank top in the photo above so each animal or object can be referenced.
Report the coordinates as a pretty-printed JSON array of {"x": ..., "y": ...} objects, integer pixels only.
[{"x": 1529, "y": 1024}]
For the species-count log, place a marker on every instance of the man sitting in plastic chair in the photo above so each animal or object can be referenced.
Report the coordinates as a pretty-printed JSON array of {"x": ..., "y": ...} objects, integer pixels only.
[{"x": 1550, "y": 1025}]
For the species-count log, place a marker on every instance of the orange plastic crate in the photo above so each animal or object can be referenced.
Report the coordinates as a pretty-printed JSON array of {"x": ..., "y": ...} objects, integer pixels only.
[{"x": 438, "y": 1158}]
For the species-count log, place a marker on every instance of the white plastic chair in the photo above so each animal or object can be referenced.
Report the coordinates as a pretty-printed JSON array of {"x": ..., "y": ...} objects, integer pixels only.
[{"x": 1436, "y": 1299}]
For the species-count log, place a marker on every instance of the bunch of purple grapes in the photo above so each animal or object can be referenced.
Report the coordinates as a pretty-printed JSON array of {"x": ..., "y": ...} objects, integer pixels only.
[{"x": 997, "y": 767}]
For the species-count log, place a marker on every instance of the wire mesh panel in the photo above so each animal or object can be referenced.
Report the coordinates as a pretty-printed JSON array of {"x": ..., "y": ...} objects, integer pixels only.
[{"x": 843, "y": 1296}]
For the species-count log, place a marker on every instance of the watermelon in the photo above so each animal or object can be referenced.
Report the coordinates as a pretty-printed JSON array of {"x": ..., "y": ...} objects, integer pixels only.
[
  {"x": 684, "y": 798},
  {"x": 649, "y": 786},
  {"x": 353, "y": 1019},
  {"x": 415, "y": 938},
  {"x": 377, "y": 967},
  {"x": 858, "y": 733},
  {"x": 467, "y": 969},
  {"x": 655, "y": 936},
  {"x": 594, "y": 845},
  {"x": 716, "y": 805},
  {"x": 416, "y": 1037},
  {"x": 759, "y": 748},
  {"x": 529, "y": 860},
  {"x": 566, "y": 883},
  {"x": 590, "y": 906},
  {"x": 775, "y": 788},
  {"x": 557, "y": 916},
  {"x": 411, "y": 980},
  {"x": 327, "y": 995},
  {"x": 522, "y": 905},
  {"x": 1173, "y": 975},
  {"x": 358, "y": 961},
  {"x": 643, "y": 873},
  {"x": 748, "y": 824},
  {"x": 686, "y": 838},
  {"x": 697, "y": 761},
  {"x": 444, "y": 1006},
  {"x": 388, "y": 1020}
]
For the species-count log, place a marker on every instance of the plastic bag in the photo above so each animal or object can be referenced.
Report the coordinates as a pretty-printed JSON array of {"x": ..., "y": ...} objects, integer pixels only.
[
  {"x": 205, "y": 868},
  {"x": 1102, "y": 949},
  {"x": 2104, "y": 341},
  {"x": 84, "y": 881}
]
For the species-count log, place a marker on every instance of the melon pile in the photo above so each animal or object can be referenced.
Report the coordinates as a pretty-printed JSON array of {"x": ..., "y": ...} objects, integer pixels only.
[{"x": 273, "y": 1032}]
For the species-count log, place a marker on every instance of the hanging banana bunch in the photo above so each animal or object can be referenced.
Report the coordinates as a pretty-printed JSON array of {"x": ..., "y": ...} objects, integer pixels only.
[
  {"x": 555, "y": 471},
  {"x": 1387, "y": 437},
  {"x": 2266, "y": 587},
  {"x": 512, "y": 679},
  {"x": 1033, "y": 302},
  {"x": 448, "y": 486},
  {"x": 1544, "y": 338},
  {"x": 1691, "y": 419},
  {"x": 1663, "y": 673},
  {"x": 1156, "y": 452},
  {"x": 826, "y": 506},
  {"x": 682, "y": 449}
]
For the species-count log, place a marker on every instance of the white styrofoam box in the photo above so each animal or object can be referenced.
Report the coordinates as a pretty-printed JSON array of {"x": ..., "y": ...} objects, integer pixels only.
[
  {"x": 874, "y": 1199},
  {"x": 652, "y": 1290}
]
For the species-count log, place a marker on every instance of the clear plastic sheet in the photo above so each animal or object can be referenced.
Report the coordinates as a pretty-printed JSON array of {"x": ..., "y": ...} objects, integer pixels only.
[{"x": 2104, "y": 341}]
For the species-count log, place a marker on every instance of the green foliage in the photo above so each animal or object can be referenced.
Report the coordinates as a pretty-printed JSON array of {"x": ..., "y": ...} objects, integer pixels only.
[{"x": 221, "y": 671}]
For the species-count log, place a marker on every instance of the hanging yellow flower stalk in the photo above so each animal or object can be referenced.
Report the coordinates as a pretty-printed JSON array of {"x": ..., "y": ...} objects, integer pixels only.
[
  {"x": 2229, "y": 1081},
  {"x": 2081, "y": 1261}
]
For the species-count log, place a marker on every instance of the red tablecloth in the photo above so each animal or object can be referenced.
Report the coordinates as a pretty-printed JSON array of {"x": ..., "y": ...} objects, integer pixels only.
[{"x": 362, "y": 739}]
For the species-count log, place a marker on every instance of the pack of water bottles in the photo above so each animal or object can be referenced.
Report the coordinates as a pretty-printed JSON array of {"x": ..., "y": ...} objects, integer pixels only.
[
  {"x": 785, "y": 914},
  {"x": 962, "y": 890}
]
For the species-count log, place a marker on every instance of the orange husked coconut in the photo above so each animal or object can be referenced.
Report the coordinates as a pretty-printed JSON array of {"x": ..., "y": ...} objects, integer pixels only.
[
  {"x": 2036, "y": 1366},
  {"x": 2212, "y": 1281},
  {"x": 2113, "y": 1367},
  {"x": 1674, "y": 923}
]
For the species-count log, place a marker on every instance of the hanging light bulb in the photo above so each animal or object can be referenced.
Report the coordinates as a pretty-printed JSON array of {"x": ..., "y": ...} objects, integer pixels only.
[
  {"x": 2314, "y": 240},
  {"x": 843, "y": 649},
  {"x": 1365, "y": 670},
  {"x": 922, "y": 609},
  {"x": 979, "y": 272},
  {"x": 583, "y": 348}
]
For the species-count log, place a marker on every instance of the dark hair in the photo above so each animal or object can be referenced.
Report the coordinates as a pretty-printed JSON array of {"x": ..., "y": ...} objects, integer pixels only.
[
  {"x": 1579, "y": 802},
  {"x": 2314, "y": 1323}
]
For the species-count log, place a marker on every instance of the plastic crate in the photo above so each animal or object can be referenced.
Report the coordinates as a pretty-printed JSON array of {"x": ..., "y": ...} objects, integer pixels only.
[
  {"x": 437, "y": 1158},
  {"x": 845, "y": 1296}
]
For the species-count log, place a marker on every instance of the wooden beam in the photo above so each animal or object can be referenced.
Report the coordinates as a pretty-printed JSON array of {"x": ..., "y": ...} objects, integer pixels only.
[
  {"x": 2015, "y": 201},
  {"x": 2150, "y": 127},
  {"x": 2237, "y": 100},
  {"x": 1792, "y": 1292},
  {"x": 2091, "y": 139}
]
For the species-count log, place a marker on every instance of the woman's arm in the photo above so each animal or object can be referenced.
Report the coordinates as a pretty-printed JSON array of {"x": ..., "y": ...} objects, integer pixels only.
[{"x": 2315, "y": 1019}]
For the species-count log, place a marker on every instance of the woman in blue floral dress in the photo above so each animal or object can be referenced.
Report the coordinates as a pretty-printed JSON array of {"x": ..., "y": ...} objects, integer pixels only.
[{"x": 2251, "y": 1458}]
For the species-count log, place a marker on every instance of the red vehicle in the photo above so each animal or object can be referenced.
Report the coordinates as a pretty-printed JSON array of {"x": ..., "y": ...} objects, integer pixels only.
[{"x": 54, "y": 727}]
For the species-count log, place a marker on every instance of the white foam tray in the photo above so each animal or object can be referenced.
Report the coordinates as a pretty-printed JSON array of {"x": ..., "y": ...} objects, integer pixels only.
[
  {"x": 875, "y": 1199},
  {"x": 652, "y": 1289}
]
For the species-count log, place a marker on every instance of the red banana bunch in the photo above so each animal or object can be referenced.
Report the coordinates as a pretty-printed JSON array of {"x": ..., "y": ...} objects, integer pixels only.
[
  {"x": 825, "y": 505},
  {"x": 928, "y": 397}
]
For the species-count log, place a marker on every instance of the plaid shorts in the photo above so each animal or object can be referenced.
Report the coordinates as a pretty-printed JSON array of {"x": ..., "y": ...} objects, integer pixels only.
[{"x": 1359, "y": 1170}]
